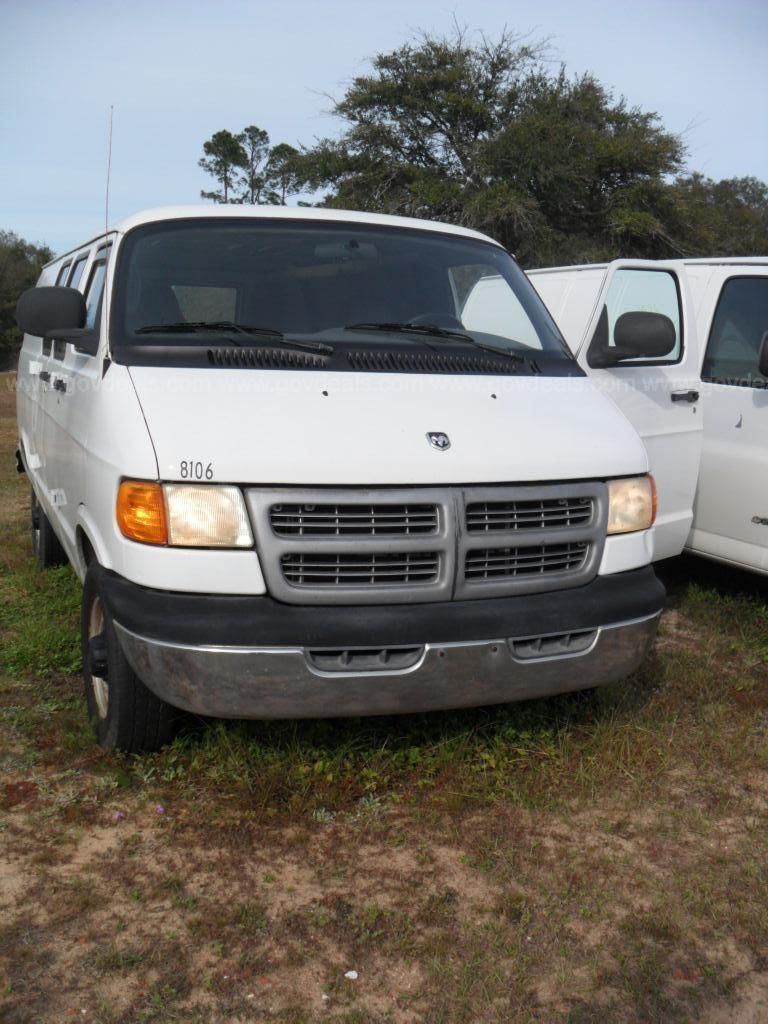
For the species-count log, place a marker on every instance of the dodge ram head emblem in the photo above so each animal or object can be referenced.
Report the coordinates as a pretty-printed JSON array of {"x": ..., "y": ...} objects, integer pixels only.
[{"x": 439, "y": 441}]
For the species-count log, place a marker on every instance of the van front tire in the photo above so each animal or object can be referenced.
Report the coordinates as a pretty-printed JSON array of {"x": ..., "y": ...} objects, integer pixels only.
[
  {"x": 45, "y": 544},
  {"x": 125, "y": 714}
]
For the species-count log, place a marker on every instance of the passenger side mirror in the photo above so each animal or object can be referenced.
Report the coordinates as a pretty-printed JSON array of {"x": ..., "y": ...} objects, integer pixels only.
[
  {"x": 637, "y": 336},
  {"x": 47, "y": 311},
  {"x": 762, "y": 359}
]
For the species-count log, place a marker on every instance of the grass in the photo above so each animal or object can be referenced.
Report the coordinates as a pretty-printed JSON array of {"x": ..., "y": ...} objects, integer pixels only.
[{"x": 586, "y": 858}]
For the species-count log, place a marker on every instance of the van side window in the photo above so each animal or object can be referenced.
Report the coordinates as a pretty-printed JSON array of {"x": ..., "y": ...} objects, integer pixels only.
[
  {"x": 640, "y": 291},
  {"x": 738, "y": 327},
  {"x": 77, "y": 270},
  {"x": 95, "y": 287},
  {"x": 61, "y": 277}
]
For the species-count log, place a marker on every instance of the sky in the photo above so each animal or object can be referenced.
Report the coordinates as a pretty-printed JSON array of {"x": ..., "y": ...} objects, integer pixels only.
[{"x": 176, "y": 72}]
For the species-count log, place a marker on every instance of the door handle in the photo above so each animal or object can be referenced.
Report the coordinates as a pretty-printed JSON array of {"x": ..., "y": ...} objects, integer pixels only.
[
  {"x": 60, "y": 384},
  {"x": 45, "y": 375},
  {"x": 685, "y": 396}
]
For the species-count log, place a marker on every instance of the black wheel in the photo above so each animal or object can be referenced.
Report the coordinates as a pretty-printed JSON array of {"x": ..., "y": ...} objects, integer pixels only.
[
  {"x": 45, "y": 544},
  {"x": 125, "y": 714}
]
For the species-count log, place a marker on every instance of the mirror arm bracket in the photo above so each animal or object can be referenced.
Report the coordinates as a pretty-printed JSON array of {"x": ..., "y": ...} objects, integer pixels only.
[{"x": 85, "y": 339}]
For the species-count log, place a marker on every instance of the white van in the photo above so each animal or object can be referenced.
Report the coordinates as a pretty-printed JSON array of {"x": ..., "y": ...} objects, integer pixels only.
[
  {"x": 701, "y": 406},
  {"x": 299, "y": 477}
]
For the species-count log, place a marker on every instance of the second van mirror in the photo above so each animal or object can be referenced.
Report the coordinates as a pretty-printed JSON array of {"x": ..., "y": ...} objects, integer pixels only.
[
  {"x": 42, "y": 311},
  {"x": 637, "y": 335}
]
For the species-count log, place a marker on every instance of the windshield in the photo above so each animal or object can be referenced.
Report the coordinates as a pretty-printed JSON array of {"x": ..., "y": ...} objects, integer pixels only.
[{"x": 190, "y": 284}]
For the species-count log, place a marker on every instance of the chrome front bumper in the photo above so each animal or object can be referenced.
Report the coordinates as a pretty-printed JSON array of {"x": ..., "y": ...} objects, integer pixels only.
[{"x": 290, "y": 682}]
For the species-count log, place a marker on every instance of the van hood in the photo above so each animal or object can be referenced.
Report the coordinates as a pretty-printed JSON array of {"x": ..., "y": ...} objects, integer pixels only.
[{"x": 306, "y": 427}]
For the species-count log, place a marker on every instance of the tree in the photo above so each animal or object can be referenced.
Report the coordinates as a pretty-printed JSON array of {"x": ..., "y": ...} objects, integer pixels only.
[
  {"x": 20, "y": 265},
  {"x": 485, "y": 133},
  {"x": 224, "y": 157},
  {"x": 722, "y": 218},
  {"x": 252, "y": 179},
  {"x": 249, "y": 170},
  {"x": 282, "y": 172},
  {"x": 486, "y": 136}
]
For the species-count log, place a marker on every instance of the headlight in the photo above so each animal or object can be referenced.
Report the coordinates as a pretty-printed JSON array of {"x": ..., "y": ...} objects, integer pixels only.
[
  {"x": 183, "y": 515},
  {"x": 631, "y": 504},
  {"x": 206, "y": 517}
]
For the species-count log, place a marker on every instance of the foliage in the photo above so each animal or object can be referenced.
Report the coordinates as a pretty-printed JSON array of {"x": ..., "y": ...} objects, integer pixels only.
[
  {"x": 20, "y": 265},
  {"x": 224, "y": 156},
  {"x": 484, "y": 135},
  {"x": 247, "y": 169},
  {"x": 252, "y": 179},
  {"x": 487, "y": 136},
  {"x": 723, "y": 218}
]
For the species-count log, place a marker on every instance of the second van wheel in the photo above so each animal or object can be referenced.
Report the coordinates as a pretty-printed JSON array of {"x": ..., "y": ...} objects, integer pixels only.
[
  {"x": 45, "y": 544},
  {"x": 126, "y": 715}
]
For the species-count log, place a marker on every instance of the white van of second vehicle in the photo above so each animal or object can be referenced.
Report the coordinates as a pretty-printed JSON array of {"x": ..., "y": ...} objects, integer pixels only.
[
  {"x": 301, "y": 473},
  {"x": 700, "y": 404}
]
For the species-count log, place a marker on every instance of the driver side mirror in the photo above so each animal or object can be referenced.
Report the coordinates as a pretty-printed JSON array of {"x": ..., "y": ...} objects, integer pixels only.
[
  {"x": 43, "y": 311},
  {"x": 56, "y": 312},
  {"x": 636, "y": 335}
]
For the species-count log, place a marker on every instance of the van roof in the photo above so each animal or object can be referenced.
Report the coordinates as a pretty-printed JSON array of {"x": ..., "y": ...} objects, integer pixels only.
[
  {"x": 162, "y": 213},
  {"x": 700, "y": 261}
]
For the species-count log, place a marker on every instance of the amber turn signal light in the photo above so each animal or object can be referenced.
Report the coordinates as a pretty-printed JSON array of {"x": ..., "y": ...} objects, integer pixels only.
[{"x": 141, "y": 512}]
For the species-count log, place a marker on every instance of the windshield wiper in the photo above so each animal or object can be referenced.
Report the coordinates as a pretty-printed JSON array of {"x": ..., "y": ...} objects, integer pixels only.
[
  {"x": 230, "y": 326},
  {"x": 433, "y": 331}
]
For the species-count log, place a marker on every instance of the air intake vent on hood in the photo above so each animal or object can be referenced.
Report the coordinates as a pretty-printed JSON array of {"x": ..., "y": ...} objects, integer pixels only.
[
  {"x": 260, "y": 358},
  {"x": 427, "y": 362}
]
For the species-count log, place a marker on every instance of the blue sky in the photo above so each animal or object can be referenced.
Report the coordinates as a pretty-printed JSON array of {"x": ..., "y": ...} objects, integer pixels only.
[{"x": 176, "y": 72}]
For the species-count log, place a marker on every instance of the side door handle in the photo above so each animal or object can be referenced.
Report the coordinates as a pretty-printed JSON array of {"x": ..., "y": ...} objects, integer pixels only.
[
  {"x": 685, "y": 396},
  {"x": 60, "y": 384},
  {"x": 45, "y": 375}
]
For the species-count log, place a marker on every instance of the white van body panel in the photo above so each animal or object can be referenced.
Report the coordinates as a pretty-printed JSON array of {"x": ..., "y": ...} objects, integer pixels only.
[
  {"x": 332, "y": 427},
  {"x": 729, "y": 515}
]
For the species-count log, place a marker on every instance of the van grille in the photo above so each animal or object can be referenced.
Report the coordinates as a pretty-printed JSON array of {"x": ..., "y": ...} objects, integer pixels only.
[
  {"x": 384, "y": 545},
  {"x": 547, "y": 513},
  {"x": 295, "y": 520},
  {"x": 360, "y": 570},
  {"x": 492, "y": 563}
]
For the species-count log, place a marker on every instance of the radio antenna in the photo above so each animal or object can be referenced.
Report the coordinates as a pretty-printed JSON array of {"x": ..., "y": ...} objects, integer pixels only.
[
  {"x": 109, "y": 170},
  {"x": 107, "y": 284}
]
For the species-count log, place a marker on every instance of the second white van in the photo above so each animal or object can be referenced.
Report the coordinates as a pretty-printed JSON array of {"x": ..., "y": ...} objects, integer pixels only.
[{"x": 700, "y": 403}]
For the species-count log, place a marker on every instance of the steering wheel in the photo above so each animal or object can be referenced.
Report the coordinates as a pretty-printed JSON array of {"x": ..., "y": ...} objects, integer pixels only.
[{"x": 447, "y": 321}]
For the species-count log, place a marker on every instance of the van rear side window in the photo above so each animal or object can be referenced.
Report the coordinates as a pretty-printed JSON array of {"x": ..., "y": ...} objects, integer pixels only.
[
  {"x": 738, "y": 328},
  {"x": 95, "y": 289},
  {"x": 77, "y": 270},
  {"x": 61, "y": 277}
]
